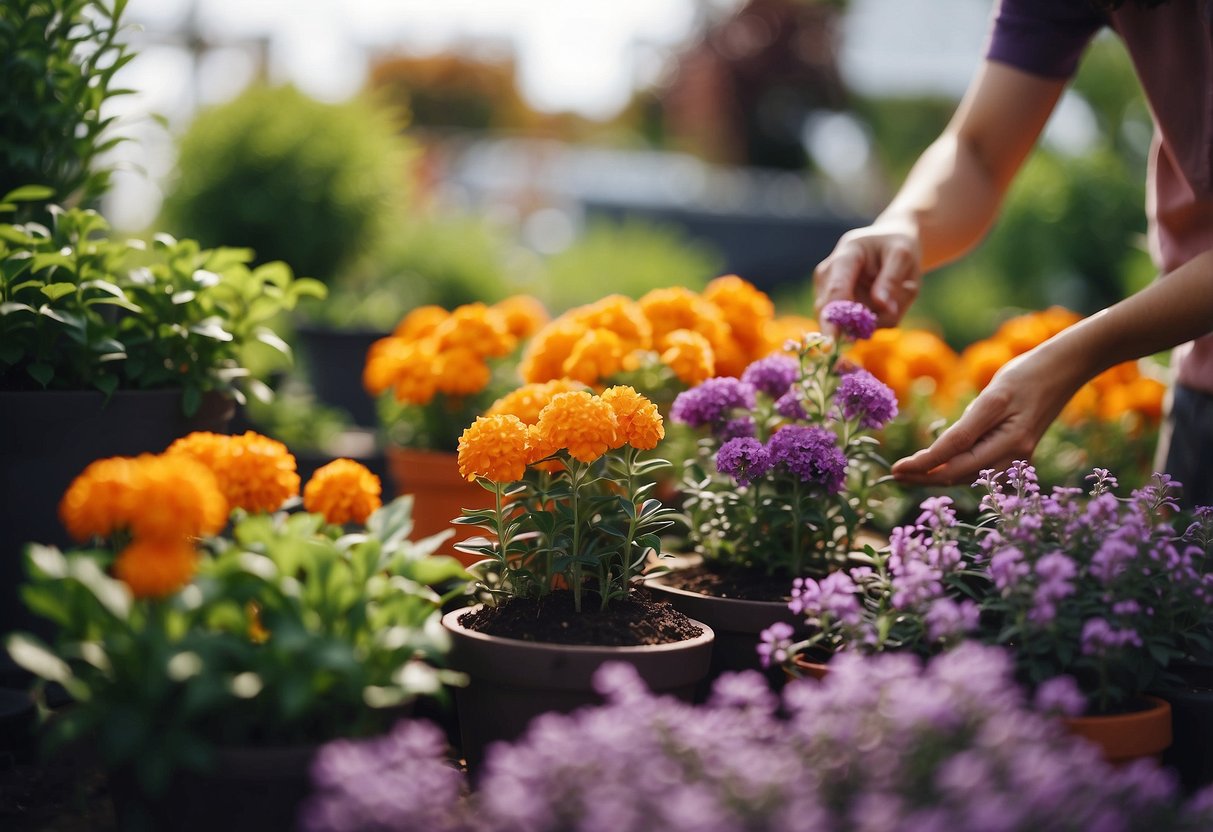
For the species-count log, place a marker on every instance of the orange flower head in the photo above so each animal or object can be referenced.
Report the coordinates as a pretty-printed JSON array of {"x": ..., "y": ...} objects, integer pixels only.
[
  {"x": 420, "y": 322},
  {"x": 496, "y": 448},
  {"x": 344, "y": 491},
  {"x": 523, "y": 315},
  {"x": 545, "y": 355},
  {"x": 526, "y": 401},
  {"x": 254, "y": 472},
  {"x": 640, "y": 422},
  {"x": 461, "y": 372},
  {"x": 165, "y": 497},
  {"x": 730, "y": 357},
  {"x": 579, "y": 422},
  {"x": 476, "y": 328},
  {"x": 156, "y": 568},
  {"x": 407, "y": 367},
  {"x": 1145, "y": 397},
  {"x": 540, "y": 449},
  {"x": 982, "y": 359},
  {"x": 680, "y": 308},
  {"x": 690, "y": 356},
  {"x": 621, "y": 315},
  {"x": 597, "y": 354},
  {"x": 746, "y": 308}
]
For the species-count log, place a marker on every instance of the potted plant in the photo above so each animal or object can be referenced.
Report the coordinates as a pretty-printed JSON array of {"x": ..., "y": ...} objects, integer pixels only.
[
  {"x": 209, "y": 639},
  {"x": 883, "y": 743},
  {"x": 442, "y": 370},
  {"x": 1093, "y": 595},
  {"x": 116, "y": 347},
  {"x": 566, "y": 537},
  {"x": 783, "y": 483}
]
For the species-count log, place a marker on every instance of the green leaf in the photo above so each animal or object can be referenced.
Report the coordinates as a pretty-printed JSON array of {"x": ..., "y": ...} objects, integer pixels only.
[
  {"x": 271, "y": 339},
  {"x": 106, "y": 384},
  {"x": 9, "y": 308},
  {"x": 54, "y": 291},
  {"x": 211, "y": 329},
  {"x": 41, "y": 373},
  {"x": 28, "y": 193},
  {"x": 35, "y": 657},
  {"x": 191, "y": 400}
]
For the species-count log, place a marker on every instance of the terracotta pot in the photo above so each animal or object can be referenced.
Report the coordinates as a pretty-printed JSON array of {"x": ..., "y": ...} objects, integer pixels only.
[
  {"x": 250, "y": 789},
  {"x": 803, "y": 668},
  {"x": 439, "y": 494},
  {"x": 510, "y": 681},
  {"x": 1129, "y": 736}
]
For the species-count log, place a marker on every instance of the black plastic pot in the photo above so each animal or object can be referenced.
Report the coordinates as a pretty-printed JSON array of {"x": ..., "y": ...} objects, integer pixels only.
[{"x": 334, "y": 359}]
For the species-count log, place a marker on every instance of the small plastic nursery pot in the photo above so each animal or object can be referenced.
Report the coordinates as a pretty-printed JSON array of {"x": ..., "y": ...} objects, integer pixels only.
[{"x": 511, "y": 681}]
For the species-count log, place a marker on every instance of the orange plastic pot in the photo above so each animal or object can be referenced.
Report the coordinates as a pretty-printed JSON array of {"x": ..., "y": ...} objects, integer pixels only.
[
  {"x": 1129, "y": 736},
  {"x": 439, "y": 494}
]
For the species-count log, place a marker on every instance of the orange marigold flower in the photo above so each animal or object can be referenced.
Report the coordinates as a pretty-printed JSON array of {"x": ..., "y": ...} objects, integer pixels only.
[
  {"x": 579, "y": 422},
  {"x": 597, "y": 354},
  {"x": 344, "y": 491},
  {"x": 496, "y": 448},
  {"x": 640, "y": 422},
  {"x": 156, "y": 568},
  {"x": 621, "y": 315},
  {"x": 690, "y": 356},
  {"x": 166, "y": 497},
  {"x": 254, "y": 472},
  {"x": 420, "y": 323},
  {"x": 461, "y": 372},
  {"x": 526, "y": 401},
  {"x": 540, "y": 448},
  {"x": 746, "y": 308},
  {"x": 982, "y": 359},
  {"x": 405, "y": 366},
  {"x": 477, "y": 328},
  {"x": 679, "y": 308},
  {"x": 730, "y": 358},
  {"x": 523, "y": 315},
  {"x": 544, "y": 356}
]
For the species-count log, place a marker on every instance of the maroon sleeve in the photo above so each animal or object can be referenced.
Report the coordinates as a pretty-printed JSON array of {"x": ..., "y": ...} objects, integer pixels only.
[{"x": 1043, "y": 37}]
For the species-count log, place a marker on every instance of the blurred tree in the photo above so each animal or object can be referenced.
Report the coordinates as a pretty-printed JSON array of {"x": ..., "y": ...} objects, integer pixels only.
[{"x": 453, "y": 91}]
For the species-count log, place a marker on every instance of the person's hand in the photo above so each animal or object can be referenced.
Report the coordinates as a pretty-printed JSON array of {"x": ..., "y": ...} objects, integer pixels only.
[
  {"x": 879, "y": 266},
  {"x": 1001, "y": 425}
]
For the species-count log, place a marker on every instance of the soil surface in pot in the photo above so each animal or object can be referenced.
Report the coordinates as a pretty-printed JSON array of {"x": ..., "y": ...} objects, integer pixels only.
[
  {"x": 729, "y": 582},
  {"x": 641, "y": 619}
]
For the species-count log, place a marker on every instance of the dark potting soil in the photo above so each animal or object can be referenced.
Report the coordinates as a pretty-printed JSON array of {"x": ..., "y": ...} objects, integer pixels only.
[
  {"x": 729, "y": 582},
  {"x": 641, "y": 619}
]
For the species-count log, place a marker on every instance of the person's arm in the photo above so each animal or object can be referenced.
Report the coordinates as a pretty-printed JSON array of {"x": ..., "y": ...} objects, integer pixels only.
[
  {"x": 1007, "y": 419},
  {"x": 949, "y": 199}
]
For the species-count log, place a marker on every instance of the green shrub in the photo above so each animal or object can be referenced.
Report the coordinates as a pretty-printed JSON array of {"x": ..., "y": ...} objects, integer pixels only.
[
  {"x": 292, "y": 178},
  {"x": 58, "y": 59}
]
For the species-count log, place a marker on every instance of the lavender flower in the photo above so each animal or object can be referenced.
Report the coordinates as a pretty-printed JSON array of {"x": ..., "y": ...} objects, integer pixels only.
[
  {"x": 853, "y": 320},
  {"x": 744, "y": 459},
  {"x": 712, "y": 402},
  {"x": 774, "y": 642},
  {"x": 772, "y": 375},
  {"x": 811, "y": 453},
  {"x": 789, "y": 406},
  {"x": 1060, "y": 695},
  {"x": 866, "y": 398}
]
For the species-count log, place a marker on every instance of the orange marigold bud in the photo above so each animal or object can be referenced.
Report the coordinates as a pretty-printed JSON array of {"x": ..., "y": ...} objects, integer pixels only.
[
  {"x": 156, "y": 568},
  {"x": 526, "y": 401},
  {"x": 583, "y": 424},
  {"x": 496, "y": 448},
  {"x": 344, "y": 491},
  {"x": 690, "y": 356},
  {"x": 640, "y": 422}
]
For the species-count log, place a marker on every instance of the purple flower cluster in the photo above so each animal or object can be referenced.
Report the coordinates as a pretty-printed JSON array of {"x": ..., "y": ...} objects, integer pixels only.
[
  {"x": 853, "y": 320},
  {"x": 745, "y": 459},
  {"x": 810, "y": 453},
  {"x": 865, "y": 398},
  {"x": 712, "y": 402},
  {"x": 773, "y": 375},
  {"x": 881, "y": 743}
]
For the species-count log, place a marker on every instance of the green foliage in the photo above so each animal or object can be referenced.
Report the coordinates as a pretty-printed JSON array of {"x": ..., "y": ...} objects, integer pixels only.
[
  {"x": 903, "y": 127},
  {"x": 295, "y": 179},
  {"x": 80, "y": 309},
  {"x": 293, "y": 632},
  {"x": 58, "y": 59},
  {"x": 629, "y": 258},
  {"x": 444, "y": 260}
]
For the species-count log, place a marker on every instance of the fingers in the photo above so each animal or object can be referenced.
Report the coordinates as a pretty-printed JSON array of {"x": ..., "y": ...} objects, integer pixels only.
[
  {"x": 974, "y": 442},
  {"x": 837, "y": 276},
  {"x": 895, "y": 285}
]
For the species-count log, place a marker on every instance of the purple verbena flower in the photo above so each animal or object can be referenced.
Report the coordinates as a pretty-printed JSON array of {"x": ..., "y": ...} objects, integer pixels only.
[
  {"x": 772, "y": 375},
  {"x": 852, "y": 319},
  {"x": 810, "y": 453},
  {"x": 1060, "y": 695},
  {"x": 866, "y": 398},
  {"x": 712, "y": 402},
  {"x": 789, "y": 406},
  {"x": 745, "y": 459}
]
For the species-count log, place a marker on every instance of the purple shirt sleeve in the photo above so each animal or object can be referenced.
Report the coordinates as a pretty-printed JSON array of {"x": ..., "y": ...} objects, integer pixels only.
[{"x": 1043, "y": 37}]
